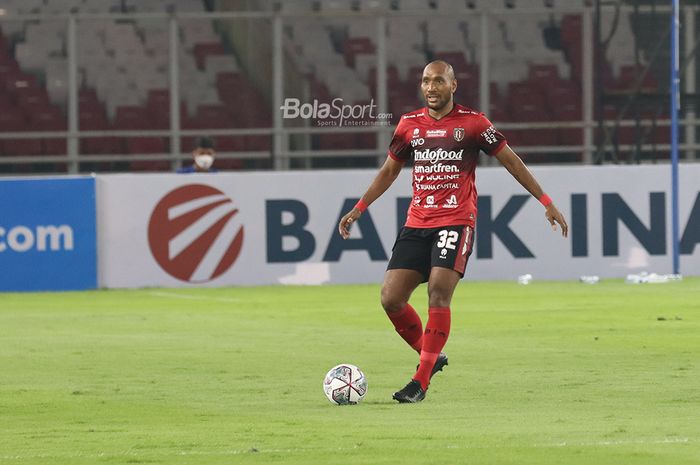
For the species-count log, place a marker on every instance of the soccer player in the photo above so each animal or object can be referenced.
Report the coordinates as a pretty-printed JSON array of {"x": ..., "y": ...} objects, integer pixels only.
[
  {"x": 444, "y": 140},
  {"x": 203, "y": 157}
]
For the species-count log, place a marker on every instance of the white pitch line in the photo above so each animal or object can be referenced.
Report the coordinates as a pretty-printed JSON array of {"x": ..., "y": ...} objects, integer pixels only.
[
  {"x": 617, "y": 443},
  {"x": 133, "y": 453},
  {"x": 193, "y": 297}
]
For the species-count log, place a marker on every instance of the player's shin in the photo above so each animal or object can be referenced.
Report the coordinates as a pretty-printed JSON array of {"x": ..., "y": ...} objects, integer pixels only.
[
  {"x": 409, "y": 326},
  {"x": 437, "y": 331}
]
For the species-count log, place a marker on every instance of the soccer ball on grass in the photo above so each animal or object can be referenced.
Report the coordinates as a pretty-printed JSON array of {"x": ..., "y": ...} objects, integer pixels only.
[{"x": 345, "y": 384}]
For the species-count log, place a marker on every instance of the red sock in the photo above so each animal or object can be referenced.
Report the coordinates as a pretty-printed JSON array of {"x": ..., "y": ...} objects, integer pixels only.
[
  {"x": 436, "y": 332},
  {"x": 407, "y": 323}
]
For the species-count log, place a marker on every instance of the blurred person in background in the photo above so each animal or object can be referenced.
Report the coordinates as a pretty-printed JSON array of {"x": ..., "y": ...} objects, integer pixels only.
[
  {"x": 443, "y": 139},
  {"x": 203, "y": 156}
]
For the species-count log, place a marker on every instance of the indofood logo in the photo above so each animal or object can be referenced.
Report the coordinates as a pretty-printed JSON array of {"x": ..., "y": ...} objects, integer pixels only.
[
  {"x": 194, "y": 234},
  {"x": 434, "y": 156}
]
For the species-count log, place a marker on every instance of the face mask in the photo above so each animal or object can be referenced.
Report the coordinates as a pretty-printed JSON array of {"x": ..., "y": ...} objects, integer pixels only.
[{"x": 204, "y": 161}]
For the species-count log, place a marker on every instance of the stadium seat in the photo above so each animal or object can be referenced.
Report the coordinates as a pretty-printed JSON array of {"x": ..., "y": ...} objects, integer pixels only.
[
  {"x": 21, "y": 147},
  {"x": 210, "y": 117},
  {"x": 366, "y": 141},
  {"x": 630, "y": 74},
  {"x": 357, "y": 46},
  {"x": 158, "y": 107},
  {"x": 97, "y": 121},
  {"x": 132, "y": 117},
  {"x": 11, "y": 120},
  {"x": 202, "y": 51},
  {"x": 467, "y": 85},
  {"x": 258, "y": 143},
  {"x": 50, "y": 119},
  {"x": 147, "y": 145},
  {"x": 457, "y": 59},
  {"x": 228, "y": 144}
]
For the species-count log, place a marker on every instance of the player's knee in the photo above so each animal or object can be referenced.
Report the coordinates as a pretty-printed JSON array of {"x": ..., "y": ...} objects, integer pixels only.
[
  {"x": 390, "y": 302},
  {"x": 438, "y": 297}
]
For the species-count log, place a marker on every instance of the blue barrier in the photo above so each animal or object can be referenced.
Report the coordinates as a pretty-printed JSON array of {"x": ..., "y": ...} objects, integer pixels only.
[{"x": 48, "y": 238}]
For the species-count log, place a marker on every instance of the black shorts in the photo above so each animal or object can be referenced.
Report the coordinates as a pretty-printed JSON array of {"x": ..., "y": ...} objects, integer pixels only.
[{"x": 421, "y": 249}]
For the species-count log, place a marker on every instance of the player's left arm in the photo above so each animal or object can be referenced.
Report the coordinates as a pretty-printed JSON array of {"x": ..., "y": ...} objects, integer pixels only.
[{"x": 515, "y": 166}]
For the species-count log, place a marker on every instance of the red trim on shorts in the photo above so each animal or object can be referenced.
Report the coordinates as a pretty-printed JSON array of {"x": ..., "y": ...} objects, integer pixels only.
[{"x": 460, "y": 265}]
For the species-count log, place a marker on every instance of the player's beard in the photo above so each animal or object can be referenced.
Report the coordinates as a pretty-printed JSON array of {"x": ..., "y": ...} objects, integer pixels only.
[{"x": 438, "y": 103}]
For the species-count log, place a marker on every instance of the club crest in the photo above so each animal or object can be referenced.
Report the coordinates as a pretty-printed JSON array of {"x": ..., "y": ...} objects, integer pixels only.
[{"x": 458, "y": 134}]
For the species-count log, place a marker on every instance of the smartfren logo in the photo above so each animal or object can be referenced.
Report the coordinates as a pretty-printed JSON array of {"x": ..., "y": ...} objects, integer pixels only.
[
  {"x": 193, "y": 233},
  {"x": 41, "y": 238}
]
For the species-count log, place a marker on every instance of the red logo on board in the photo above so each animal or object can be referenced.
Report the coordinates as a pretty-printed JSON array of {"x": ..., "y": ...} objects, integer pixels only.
[{"x": 193, "y": 233}]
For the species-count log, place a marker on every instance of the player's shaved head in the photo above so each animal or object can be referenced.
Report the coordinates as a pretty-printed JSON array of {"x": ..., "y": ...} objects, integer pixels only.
[
  {"x": 440, "y": 67},
  {"x": 438, "y": 84}
]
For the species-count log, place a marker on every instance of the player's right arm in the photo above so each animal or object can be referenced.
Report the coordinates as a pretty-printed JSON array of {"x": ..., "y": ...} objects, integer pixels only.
[
  {"x": 385, "y": 177},
  {"x": 400, "y": 151}
]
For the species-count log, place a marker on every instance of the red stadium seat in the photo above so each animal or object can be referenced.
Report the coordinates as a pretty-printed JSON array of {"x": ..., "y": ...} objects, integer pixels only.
[
  {"x": 569, "y": 136},
  {"x": 149, "y": 165},
  {"x": 467, "y": 85},
  {"x": 456, "y": 59},
  {"x": 229, "y": 144},
  {"x": 147, "y": 145},
  {"x": 258, "y": 143},
  {"x": 51, "y": 119},
  {"x": 392, "y": 75},
  {"x": 356, "y": 46},
  {"x": 366, "y": 141},
  {"x": 202, "y": 51},
  {"x": 98, "y": 145},
  {"x": 571, "y": 30},
  {"x": 527, "y": 107},
  {"x": 132, "y": 117},
  {"x": 623, "y": 135},
  {"x": 16, "y": 84},
  {"x": 210, "y": 117},
  {"x": 630, "y": 74},
  {"x": 33, "y": 101},
  {"x": 9, "y": 69},
  {"x": 548, "y": 73},
  {"x": 415, "y": 74},
  {"x": 228, "y": 164},
  {"x": 336, "y": 141},
  {"x": 21, "y": 147},
  {"x": 158, "y": 107},
  {"x": 562, "y": 93},
  {"x": 11, "y": 120}
]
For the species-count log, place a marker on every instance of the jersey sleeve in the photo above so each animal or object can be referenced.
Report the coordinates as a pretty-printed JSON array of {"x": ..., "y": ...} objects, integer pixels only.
[
  {"x": 400, "y": 148},
  {"x": 490, "y": 140}
]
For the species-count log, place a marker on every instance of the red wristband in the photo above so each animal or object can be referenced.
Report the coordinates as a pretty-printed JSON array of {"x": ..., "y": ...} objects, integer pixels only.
[
  {"x": 545, "y": 200},
  {"x": 361, "y": 205}
]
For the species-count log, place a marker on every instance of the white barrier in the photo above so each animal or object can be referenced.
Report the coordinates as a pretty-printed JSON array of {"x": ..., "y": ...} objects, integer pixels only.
[{"x": 267, "y": 228}]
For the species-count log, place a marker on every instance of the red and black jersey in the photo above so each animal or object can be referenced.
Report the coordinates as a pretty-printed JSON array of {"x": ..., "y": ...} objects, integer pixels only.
[{"x": 444, "y": 154}]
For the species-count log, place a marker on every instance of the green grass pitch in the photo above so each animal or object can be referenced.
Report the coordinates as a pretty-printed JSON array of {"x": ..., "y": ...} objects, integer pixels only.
[{"x": 549, "y": 373}]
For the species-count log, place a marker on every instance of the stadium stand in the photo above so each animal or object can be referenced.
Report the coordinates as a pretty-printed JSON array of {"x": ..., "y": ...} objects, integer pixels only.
[{"x": 123, "y": 69}]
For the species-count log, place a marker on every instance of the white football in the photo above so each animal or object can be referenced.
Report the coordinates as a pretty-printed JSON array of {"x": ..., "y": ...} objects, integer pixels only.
[{"x": 345, "y": 384}]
